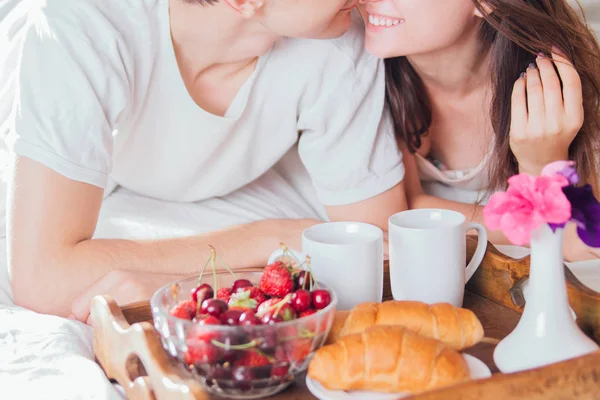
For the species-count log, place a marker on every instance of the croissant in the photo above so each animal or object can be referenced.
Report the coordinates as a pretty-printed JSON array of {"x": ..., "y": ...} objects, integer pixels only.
[
  {"x": 387, "y": 359},
  {"x": 457, "y": 327}
]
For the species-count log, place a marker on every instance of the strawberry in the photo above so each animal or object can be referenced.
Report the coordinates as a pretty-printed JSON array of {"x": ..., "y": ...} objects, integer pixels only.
[
  {"x": 185, "y": 309},
  {"x": 252, "y": 358},
  {"x": 276, "y": 307},
  {"x": 224, "y": 294},
  {"x": 242, "y": 301},
  {"x": 297, "y": 350},
  {"x": 201, "y": 353},
  {"x": 267, "y": 304},
  {"x": 287, "y": 312},
  {"x": 258, "y": 295},
  {"x": 276, "y": 280}
]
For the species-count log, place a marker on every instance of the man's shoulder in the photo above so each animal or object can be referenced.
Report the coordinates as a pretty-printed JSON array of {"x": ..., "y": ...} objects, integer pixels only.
[
  {"x": 92, "y": 19},
  {"x": 349, "y": 47}
]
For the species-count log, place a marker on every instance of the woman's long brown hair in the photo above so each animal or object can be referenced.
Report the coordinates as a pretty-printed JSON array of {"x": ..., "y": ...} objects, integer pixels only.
[{"x": 513, "y": 33}]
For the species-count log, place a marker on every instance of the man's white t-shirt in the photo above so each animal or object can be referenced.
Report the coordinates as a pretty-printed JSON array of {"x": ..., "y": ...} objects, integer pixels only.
[{"x": 99, "y": 99}]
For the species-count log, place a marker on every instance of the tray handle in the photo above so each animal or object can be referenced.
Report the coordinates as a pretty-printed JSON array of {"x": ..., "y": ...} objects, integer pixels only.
[{"x": 133, "y": 355}]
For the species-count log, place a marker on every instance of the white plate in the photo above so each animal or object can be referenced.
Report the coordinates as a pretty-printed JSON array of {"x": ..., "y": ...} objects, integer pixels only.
[{"x": 477, "y": 368}]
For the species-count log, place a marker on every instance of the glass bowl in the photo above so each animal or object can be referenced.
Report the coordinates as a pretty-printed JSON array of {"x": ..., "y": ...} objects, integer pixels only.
[{"x": 284, "y": 348}]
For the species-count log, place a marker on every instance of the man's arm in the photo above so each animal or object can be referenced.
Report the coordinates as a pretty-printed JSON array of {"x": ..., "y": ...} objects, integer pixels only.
[
  {"x": 53, "y": 258},
  {"x": 375, "y": 210}
]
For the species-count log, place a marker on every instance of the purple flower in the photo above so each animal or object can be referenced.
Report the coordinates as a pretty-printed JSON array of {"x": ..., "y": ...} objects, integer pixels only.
[
  {"x": 585, "y": 213},
  {"x": 564, "y": 168},
  {"x": 571, "y": 174}
]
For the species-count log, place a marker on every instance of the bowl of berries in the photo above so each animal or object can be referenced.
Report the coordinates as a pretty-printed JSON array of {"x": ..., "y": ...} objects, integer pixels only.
[{"x": 245, "y": 335}]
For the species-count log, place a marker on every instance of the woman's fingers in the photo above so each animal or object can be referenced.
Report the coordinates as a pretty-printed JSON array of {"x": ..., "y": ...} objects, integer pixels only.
[
  {"x": 535, "y": 102},
  {"x": 553, "y": 98},
  {"x": 518, "y": 123},
  {"x": 571, "y": 91}
]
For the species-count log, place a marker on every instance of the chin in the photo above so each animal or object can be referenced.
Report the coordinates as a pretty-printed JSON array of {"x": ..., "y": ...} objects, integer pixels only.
[
  {"x": 379, "y": 49},
  {"x": 337, "y": 28}
]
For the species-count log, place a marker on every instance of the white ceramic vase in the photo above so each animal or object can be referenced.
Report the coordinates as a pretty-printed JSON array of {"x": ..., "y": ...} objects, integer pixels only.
[{"x": 546, "y": 332}]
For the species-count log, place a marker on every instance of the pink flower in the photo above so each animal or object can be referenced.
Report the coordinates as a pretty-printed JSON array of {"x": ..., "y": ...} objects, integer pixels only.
[{"x": 527, "y": 204}]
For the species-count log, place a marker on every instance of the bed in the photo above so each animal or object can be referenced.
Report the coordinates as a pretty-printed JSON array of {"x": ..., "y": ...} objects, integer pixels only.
[{"x": 46, "y": 357}]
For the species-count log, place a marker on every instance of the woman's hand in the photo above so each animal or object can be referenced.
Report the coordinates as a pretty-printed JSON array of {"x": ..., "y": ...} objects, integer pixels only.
[{"x": 545, "y": 119}]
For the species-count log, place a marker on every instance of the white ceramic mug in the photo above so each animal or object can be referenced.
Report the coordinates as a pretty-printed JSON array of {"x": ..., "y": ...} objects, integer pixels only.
[
  {"x": 428, "y": 252},
  {"x": 347, "y": 257}
]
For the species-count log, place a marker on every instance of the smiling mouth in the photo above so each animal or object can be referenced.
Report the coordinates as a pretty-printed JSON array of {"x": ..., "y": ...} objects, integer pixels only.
[{"x": 382, "y": 21}]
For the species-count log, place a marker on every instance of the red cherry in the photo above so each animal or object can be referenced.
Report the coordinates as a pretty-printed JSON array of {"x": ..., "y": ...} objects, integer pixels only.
[
  {"x": 242, "y": 377},
  {"x": 268, "y": 341},
  {"x": 218, "y": 373},
  {"x": 307, "y": 313},
  {"x": 240, "y": 284},
  {"x": 301, "y": 300},
  {"x": 248, "y": 318},
  {"x": 280, "y": 371},
  {"x": 214, "y": 307},
  {"x": 200, "y": 333},
  {"x": 271, "y": 318},
  {"x": 302, "y": 280},
  {"x": 210, "y": 320},
  {"x": 209, "y": 292},
  {"x": 320, "y": 298},
  {"x": 231, "y": 317}
]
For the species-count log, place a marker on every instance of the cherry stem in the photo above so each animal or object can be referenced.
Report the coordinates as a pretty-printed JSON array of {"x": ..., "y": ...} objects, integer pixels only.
[
  {"x": 226, "y": 267},
  {"x": 311, "y": 278},
  {"x": 213, "y": 256},
  {"x": 198, "y": 308},
  {"x": 305, "y": 334},
  {"x": 286, "y": 254},
  {"x": 234, "y": 346},
  {"x": 175, "y": 291},
  {"x": 203, "y": 269}
]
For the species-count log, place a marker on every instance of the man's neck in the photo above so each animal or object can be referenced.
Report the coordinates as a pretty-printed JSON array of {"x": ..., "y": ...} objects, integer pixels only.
[
  {"x": 458, "y": 70},
  {"x": 215, "y": 39}
]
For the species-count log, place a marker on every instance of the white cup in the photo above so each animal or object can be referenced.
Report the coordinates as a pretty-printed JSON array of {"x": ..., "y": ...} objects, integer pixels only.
[
  {"x": 428, "y": 252},
  {"x": 345, "y": 256}
]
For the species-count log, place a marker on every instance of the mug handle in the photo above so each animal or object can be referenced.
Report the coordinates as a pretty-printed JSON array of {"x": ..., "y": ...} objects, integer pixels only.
[
  {"x": 482, "y": 242},
  {"x": 298, "y": 256}
]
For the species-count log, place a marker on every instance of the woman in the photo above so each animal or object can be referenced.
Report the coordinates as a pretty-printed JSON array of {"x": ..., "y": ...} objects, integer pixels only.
[{"x": 481, "y": 90}]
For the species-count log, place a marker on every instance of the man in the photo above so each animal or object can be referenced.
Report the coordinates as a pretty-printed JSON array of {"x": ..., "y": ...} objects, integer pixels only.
[{"x": 181, "y": 100}]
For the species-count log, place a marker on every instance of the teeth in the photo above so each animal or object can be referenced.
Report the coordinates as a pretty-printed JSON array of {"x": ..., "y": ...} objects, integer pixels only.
[{"x": 382, "y": 21}]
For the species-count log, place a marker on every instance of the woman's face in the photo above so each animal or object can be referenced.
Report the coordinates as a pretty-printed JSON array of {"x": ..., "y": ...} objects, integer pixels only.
[
  {"x": 311, "y": 19},
  {"x": 410, "y": 27}
]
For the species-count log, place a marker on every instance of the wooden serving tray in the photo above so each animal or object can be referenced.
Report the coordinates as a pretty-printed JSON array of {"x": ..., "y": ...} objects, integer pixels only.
[{"x": 131, "y": 353}]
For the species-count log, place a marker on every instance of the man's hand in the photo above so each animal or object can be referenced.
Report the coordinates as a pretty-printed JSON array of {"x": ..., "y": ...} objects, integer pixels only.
[
  {"x": 131, "y": 286},
  {"x": 124, "y": 286}
]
